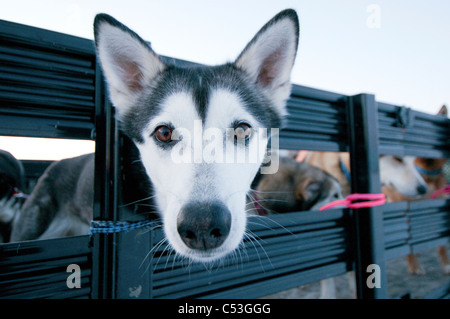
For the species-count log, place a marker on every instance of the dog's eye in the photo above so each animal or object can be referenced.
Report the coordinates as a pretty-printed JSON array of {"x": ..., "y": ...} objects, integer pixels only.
[
  {"x": 242, "y": 131},
  {"x": 163, "y": 134},
  {"x": 398, "y": 159}
]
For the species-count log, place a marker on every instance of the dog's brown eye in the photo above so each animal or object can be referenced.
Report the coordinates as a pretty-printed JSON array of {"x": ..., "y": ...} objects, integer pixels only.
[
  {"x": 398, "y": 159},
  {"x": 242, "y": 131},
  {"x": 164, "y": 134}
]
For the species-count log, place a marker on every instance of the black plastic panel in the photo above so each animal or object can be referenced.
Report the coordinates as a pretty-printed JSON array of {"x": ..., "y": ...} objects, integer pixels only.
[
  {"x": 38, "y": 269},
  {"x": 47, "y": 83}
]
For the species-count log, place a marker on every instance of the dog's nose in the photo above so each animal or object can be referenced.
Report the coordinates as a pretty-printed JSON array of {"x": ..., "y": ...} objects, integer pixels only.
[
  {"x": 422, "y": 189},
  {"x": 204, "y": 226}
]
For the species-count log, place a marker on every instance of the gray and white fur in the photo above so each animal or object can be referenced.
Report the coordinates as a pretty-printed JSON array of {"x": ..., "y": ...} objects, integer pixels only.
[{"x": 159, "y": 106}]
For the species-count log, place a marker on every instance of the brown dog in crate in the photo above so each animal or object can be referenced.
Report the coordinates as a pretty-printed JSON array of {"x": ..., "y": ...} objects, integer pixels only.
[{"x": 295, "y": 187}]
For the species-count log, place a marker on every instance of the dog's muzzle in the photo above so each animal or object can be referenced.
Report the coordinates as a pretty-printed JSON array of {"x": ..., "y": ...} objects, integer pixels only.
[{"x": 204, "y": 226}]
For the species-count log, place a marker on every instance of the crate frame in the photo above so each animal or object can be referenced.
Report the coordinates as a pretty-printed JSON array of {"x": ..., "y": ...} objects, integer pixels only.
[{"x": 340, "y": 240}]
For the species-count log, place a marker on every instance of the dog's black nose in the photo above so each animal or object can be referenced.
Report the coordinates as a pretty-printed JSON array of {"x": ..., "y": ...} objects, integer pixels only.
[
  {"x": 422, "y": 189},
  {"x": 204, "y": 226}
]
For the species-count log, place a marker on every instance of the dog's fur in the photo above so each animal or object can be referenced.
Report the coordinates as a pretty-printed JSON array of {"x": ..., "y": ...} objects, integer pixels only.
[
  {"x": 330, "y": 163},
  {"x": 12, "y": 180},
  {"x": 296, "y": 187},
  {"x": 396, "y": 173},
  {"x": 61, "y": 202},
  {"x": 202, "y": 205}
]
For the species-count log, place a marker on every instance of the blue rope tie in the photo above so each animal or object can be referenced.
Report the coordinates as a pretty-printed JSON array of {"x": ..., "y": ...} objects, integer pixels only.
[{"x": 109, "y": 227}]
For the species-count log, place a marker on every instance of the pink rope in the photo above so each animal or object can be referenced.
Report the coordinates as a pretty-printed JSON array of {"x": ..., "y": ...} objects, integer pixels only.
[
  {"x": 445, "y": 190},
  {"x": 356, "y": 201}
]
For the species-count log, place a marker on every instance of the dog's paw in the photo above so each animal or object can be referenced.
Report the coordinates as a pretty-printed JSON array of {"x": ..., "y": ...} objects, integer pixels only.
[
  {"x": 416, "y": 270},
  {"x": 414, "y": 267}
]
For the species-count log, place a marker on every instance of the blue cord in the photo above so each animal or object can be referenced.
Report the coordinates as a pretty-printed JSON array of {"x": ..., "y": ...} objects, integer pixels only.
[
  {"x": 109, "y": 227},
  {"x": 429, "y": 173},
  {"x": 345, "y": 171}
]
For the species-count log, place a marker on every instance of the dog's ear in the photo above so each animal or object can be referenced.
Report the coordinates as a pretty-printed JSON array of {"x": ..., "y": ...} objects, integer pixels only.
[
  {"x": 128, "y": 62},
  {"x": 307, "y": 190},
  {"x": 443, "y": 110},
  {"x": 269, "y": 57}
]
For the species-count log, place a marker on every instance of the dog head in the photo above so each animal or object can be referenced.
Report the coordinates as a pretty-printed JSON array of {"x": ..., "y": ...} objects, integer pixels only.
[
  {"x": 297, "y": 187},
  {"x": 431, "y": 168},
  {"x": 12, "y": 179},
  {"x": 11, "y": 174},
  {"x": 190, "y": 124},
  {"x": 400, "y": 174}
]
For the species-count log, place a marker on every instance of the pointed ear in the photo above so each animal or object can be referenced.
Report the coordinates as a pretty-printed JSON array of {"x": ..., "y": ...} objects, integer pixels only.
[
  {"x": 269, "y": 57},
  {"x": 443, "y": 110},
  {"x": 308, "y": 189},
  {"x": 128, "y": 62}
]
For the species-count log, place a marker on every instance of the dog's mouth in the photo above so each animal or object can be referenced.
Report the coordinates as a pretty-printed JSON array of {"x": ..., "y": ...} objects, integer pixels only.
[{"x": 417, "y": 193}]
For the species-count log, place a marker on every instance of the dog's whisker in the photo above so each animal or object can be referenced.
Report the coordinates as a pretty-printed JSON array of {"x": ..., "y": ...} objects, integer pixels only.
[
  {"x": 244, "y": 250},
  {"x": 269, "y": 192},
  {"x": 252, "y": 240},
  {"x": 259, "y": 200},
  {"x": 138, "y": 201},
  {"x": 174, "y": 258},
  {"x": 151, "y": 229},
  {"x": 254, "y": 200},
  {"x": 259, "y": 224},
  {"x": 258, "y": 240},
  {"x": 161, "y": 254},
  {"x": 233, "y": 257},
  {"x": 154, "y": 249},
  {"x": 249, "y": 210},
  {"x": 168, "y": 258},
  {"x": 259, "y": 203},
  {"x": 271, "y": 200},
  {"x": 150, "y": 253},
  {"x": 237, "y": 258},
  {"x": 265, "y": 218}
]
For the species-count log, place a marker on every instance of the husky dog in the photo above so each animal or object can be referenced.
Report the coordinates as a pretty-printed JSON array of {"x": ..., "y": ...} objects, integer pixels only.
[
  {"x": 202, "y": 204},
  {"x": 163, "y": 108},
  {"x": 60, "y": 204}
]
